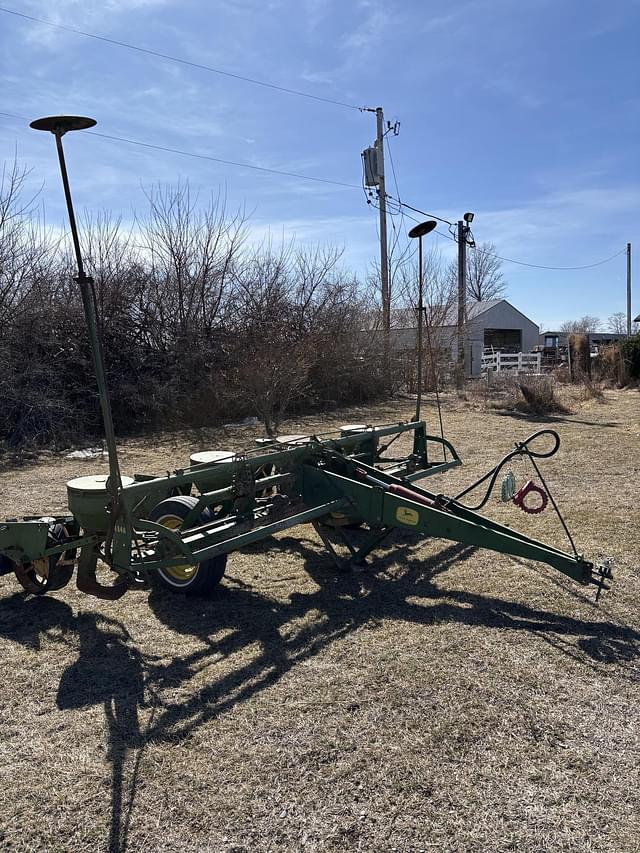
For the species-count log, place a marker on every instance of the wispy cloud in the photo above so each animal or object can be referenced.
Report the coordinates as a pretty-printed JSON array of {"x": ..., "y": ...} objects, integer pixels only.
[
  {"x": 545, "y": 224},
  {"x": 355, "y": 235},
  {"x": 370, "y": 31},
  {"x": 509, "y": 82},
  {"x": 80, "y": 14}
]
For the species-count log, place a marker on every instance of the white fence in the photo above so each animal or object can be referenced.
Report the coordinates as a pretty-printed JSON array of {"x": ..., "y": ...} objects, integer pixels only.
[{"x": 521, "y": 362}]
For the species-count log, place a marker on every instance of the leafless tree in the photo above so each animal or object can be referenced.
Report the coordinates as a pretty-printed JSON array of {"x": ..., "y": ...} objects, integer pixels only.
[
  {"x": 197, "y": 324},
  {"x": 190, "y": 254},
  {"x": 270, "y": 362},
  {"x": 485, "y": 279},
  {"x": 484, "y": 274},
  {"x": 440, "y": 295},
  {"x": 26, "y": 247},
  {"x": 617, "y": 323},
  {"x": 297, "y": 319},
  {"x": 582, "y": 326}
]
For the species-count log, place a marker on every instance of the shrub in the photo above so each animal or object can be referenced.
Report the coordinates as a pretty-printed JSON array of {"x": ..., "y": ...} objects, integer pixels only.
[
  {"x": 539, "y": 397},
  {"x": 631, "y": 354},
  {"x": 590, "y": 390}
]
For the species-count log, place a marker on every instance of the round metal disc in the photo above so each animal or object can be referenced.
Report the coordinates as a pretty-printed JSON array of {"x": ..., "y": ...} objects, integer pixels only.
[
  {"x": 61, "y": 124},
  {"x": 423, "y": 228}
]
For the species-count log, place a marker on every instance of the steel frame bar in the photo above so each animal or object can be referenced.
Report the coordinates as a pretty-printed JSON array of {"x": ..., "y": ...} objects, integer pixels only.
[{"x": 469, "y": 528}]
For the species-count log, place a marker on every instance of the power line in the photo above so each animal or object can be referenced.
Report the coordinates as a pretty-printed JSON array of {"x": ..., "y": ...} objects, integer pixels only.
[
  {"x": 424, "y": 213},
  {"x": 178, "y": 59},
  {"x": 512, "y": 260},
  {"x": 183, "y": 153},
  {"x": 300, "y": 176},
  {"x": 544, "y": 267},
  {"x": 225, "y": 162}
]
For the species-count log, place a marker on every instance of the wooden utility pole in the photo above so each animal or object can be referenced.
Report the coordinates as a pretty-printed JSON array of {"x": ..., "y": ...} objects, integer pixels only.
[
  {"x": 629, "y": 289},
  {"x": 384, "y": 259},
  {"x": 462, "y": 298}
]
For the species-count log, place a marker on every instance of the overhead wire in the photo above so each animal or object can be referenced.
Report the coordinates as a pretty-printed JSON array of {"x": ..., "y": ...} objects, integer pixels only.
[
  {"x": 513, "y": 260},
  {"x": 396, "y": 231},
  {"x": 286, "y": 90},
  {"x": 181, "y": 152},
  {"x": 225, "y": 162},
  {"x": 169, "y": 57},
  {"x": 544, "y": 266},
  {"x": 400, "y": 204}
]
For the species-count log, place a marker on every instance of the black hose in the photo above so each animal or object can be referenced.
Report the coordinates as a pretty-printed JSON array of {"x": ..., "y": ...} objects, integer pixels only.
[{"x": 522, "y": 449}]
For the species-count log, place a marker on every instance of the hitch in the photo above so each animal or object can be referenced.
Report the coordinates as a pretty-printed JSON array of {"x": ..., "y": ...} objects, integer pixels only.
[{"x": 601, "y": 574}]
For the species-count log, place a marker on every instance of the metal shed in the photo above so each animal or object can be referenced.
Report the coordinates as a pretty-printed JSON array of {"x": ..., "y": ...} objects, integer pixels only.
[{"x": 491, "y": 323}]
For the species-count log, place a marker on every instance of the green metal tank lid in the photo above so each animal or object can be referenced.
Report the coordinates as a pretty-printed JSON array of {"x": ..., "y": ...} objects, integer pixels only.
[
  {"x": 94, "y": 483},
  {"x": 209, "y": 456}
]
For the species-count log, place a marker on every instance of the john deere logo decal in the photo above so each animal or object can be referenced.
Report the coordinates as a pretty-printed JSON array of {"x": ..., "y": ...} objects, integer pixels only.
[{"x": 406, "y": 515}]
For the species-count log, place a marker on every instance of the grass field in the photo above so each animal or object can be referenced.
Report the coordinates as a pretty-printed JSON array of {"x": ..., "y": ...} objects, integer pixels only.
[{"x": 448, "y": 699}]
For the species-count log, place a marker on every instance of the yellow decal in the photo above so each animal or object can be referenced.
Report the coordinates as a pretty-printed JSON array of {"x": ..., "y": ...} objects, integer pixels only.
[{"x": 406, "y": 515}]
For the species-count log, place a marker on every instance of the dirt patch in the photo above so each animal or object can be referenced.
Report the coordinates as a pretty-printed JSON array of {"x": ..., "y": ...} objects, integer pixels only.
[{"x": 449, "y": 699}]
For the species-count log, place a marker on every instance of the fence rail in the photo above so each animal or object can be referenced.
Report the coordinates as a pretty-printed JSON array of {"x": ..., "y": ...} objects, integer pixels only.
[{"x": 521, "y": 362}]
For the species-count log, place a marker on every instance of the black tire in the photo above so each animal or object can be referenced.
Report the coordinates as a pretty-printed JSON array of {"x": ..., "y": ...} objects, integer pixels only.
[
  {"x": 61, "y": 572},
  {"x": 201, "y": 579},
  {"x": 48, "y": 575}
]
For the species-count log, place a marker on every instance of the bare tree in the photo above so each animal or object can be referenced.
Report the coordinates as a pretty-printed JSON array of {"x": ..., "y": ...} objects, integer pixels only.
[
  {"x": 484, "y": 274},
  {"x": 440, "y": 295},
  {"x": 270, "y": 361},
  {"x": 582, "y": 326},
  {"x": 617, "y": 323},
  {"x": 190, "y": 253},
  {"x": 26, "y": 249},
  {"x": 196, "y": 325}
]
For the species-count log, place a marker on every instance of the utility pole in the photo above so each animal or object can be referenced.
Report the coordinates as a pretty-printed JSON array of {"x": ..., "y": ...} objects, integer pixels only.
[
  {"x": 462, "y": 298},
  {"x": 373, "y": 162},
  {"x": 629, "y": 289},
  {"x": 384, "y": 260}
]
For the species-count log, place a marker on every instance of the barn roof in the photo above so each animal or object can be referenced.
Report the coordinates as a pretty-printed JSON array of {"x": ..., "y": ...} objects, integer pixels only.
[{"x": 405, "y": 318}]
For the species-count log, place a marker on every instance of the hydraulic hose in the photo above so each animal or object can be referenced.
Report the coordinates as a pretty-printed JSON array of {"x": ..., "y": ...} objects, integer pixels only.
[{"x": 522, "y": 449}]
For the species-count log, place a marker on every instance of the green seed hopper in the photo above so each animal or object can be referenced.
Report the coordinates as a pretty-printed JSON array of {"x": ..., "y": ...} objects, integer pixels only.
[{"x": 177, "y": 529}]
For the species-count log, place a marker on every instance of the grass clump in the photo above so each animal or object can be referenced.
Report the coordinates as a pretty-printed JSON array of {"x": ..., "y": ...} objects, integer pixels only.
[{"x": 539, "y": 396}]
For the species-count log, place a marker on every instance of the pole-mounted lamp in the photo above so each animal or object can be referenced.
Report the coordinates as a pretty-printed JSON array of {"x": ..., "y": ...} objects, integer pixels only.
[
  {"x": 419, "y": 231},
  {"x": 58, "y": 126}
]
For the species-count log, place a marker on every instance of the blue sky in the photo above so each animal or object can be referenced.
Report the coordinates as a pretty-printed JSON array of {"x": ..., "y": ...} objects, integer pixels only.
[{"x": 526, "y": 113}]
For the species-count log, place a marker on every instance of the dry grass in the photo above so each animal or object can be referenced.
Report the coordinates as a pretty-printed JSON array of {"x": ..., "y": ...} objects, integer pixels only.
[
  {"x": 546, "y": 394},
  {"x": 450, "y": 699}
]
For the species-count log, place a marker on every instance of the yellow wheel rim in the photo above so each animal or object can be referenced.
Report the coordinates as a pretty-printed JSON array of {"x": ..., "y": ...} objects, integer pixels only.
[
  {"x": 184, "y": 572},
  {"x": 41, "y": 568}
]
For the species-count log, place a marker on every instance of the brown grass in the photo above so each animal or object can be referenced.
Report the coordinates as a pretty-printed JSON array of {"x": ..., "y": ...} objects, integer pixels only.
[{"x": 450, "y": 699}]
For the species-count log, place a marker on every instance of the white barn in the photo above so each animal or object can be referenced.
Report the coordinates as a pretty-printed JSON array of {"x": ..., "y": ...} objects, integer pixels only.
[{"x": 492, "y": 323}]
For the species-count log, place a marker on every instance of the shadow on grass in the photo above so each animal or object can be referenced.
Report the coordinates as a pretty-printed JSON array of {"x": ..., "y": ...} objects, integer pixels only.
[
  {"x": 552, "y": 419},
  {"x": 110, "y": 671}
]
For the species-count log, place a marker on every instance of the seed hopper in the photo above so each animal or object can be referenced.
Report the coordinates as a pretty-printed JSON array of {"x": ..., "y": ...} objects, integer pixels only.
[{"x": 177, "y": 529}]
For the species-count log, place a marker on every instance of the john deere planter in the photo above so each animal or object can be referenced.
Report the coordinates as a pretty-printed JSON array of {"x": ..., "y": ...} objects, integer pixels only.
[{"x": 177, "y": 529}]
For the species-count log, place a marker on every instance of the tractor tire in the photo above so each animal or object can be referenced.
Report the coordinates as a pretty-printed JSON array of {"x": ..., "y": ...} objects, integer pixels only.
[{"x": 198, "y": 580}]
